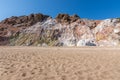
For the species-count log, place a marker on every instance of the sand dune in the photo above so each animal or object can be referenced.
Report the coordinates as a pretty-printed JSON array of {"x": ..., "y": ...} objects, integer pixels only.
[{"x": 36, "y": 63}]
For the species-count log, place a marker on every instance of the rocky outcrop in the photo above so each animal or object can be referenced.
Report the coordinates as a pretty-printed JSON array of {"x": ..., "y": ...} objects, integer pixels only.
[
  {"x": 14, "y": 25},
  {"x": 64, "y": 30},
  {"x": 65, "y": 18},
  {"x": 25, "y": 20}
]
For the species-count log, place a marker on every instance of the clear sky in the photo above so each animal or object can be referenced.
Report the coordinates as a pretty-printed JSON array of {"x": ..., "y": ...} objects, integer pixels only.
[{"x": 91, "y": 9}]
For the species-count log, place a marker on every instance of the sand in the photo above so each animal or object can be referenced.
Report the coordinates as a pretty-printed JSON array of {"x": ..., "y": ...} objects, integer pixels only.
[{"x": 36, "y": 63}]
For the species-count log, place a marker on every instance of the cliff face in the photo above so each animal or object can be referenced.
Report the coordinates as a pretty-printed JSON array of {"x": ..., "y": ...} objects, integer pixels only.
[{"x": 64, "y": 30}]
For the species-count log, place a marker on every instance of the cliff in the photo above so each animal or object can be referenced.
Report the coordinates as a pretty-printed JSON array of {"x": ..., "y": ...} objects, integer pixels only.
[{"x": 64, "y": 30}]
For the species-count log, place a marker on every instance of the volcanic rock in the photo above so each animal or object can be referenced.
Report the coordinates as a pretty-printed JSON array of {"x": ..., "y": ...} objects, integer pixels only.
[
  {"x": 64, "y": 30},
  {"x": 65, "y": 18}
]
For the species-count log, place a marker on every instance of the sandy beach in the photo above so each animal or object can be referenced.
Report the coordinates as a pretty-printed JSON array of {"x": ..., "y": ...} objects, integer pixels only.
[{"x": 59, "y": 63}]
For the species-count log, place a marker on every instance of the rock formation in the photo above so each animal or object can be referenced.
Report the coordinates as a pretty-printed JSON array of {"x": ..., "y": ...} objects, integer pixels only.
[{"x": 64, "y": 30}]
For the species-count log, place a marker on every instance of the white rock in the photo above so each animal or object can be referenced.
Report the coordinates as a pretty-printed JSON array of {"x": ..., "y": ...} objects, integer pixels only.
[
  {"x": 81, "y": 43},
  {"x": 116, "y": 30}
]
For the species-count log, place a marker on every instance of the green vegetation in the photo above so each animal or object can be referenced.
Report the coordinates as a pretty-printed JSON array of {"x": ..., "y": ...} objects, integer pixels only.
[{"x": 32, "y": 39}]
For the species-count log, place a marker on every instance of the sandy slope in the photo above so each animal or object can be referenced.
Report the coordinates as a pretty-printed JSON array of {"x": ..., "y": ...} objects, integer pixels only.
[{"x": 35, "y": 63}]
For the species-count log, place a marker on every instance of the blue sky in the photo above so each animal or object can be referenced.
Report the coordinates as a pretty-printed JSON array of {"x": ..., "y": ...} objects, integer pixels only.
[{"x": 91, "y": 9}]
